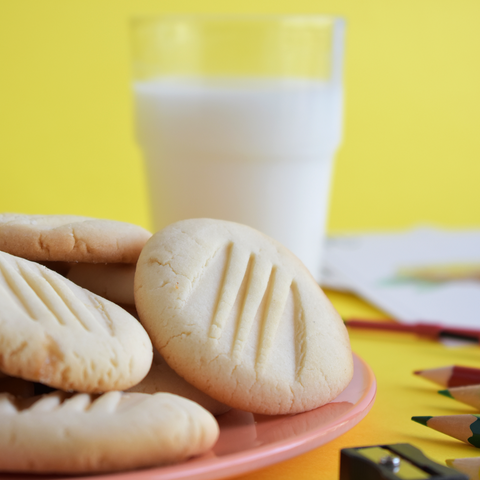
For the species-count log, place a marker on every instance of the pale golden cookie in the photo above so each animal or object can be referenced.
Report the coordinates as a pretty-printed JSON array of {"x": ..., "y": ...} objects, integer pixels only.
[
  {"x": 239, "y": 316},
  {"x": 113, "y": 281},
  {"x": 61, "y": 433},
  {"x": 61, "y": 335},
  {"x": 162, "y": 378},
  {"x": 69, "y": 238}
]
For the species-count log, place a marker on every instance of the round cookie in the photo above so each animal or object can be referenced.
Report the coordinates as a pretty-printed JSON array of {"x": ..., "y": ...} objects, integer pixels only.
[
  {"x": 113, "y": 281},
  {"x": 161, "y": 378},
  {"x": 69, "y": 238},
  {"x": 61, "y": 433},
  {"x": 61, "y": 335},
  {"x": 239, "y": 316}
]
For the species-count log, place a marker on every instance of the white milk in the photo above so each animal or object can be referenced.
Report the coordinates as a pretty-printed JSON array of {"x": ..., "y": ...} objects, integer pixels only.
[{"x": 254, "y": 152}]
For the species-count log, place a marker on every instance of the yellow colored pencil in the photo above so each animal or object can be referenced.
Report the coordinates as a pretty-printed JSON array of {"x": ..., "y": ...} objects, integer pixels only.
[
  {"x": 469, "y": 395},
  {"x": 462, "y": 427},
  {"x": 443, "y": 272},
  {"x": 468, "y": 466}
]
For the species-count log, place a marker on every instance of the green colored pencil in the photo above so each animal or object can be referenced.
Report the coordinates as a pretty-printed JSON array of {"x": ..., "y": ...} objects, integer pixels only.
[
  {"x": 462, "y": 427},
  {"x": 469, "y": 395}
]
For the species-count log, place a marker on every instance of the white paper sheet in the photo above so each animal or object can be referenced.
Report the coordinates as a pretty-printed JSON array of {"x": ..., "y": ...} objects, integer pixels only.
[{"x": 371, "y": 265}]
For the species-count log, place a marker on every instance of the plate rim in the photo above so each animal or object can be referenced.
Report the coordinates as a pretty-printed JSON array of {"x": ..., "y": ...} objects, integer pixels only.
[{"x": 218, "y": 467}]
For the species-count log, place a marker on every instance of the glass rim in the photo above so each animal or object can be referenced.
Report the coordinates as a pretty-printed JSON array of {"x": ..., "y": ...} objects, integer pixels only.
[{"x": 305, "y": 45}]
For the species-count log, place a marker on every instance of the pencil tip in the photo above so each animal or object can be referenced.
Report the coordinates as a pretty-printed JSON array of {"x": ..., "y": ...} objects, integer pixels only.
[
  {"x": 417, "y": 372},
  {"x": 422, "y": 420},
  {"x": 446, "y": 393}
]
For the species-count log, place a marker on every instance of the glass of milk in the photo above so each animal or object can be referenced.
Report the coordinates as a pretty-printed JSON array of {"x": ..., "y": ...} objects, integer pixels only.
[{"x": 239, "y": 118}]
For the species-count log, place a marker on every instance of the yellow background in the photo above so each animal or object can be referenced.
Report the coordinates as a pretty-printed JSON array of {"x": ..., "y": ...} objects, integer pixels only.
[
  {"x": 411, "y": 147},
  {"x": 410, "y": 154}
]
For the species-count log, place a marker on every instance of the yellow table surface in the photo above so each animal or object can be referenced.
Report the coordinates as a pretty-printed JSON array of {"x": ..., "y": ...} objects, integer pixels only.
[{"x": 400, "y": 395}]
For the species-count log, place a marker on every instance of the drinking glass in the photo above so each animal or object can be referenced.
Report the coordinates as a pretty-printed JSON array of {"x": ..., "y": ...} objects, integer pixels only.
[{"x": 239, "y": 118}]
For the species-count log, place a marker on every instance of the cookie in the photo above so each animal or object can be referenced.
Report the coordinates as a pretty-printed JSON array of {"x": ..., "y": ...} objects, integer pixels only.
[
  {"x": 239, "y": 316},
  {"x": 59, "y": 334},
  {"x": 69, "y": 238},
  {"x": 113, "y": 281},
  {"x": 162, "y": 378},
  {"x": 62, "y": 433}
]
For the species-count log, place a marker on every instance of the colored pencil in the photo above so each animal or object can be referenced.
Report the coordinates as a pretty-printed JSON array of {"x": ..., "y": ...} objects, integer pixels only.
[
  {"x": 462, "y": 427},
  {"x": 469, "y": 394},
  {"x": 443, "y": 272},
  {"x": 468, "y": 466},
  {"x": 452, "y": 376},
  {"x": 429, "y": 330}
]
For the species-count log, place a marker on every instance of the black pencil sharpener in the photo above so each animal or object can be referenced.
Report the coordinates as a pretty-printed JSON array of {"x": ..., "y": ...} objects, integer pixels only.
[{"x": 400, "y": 461}]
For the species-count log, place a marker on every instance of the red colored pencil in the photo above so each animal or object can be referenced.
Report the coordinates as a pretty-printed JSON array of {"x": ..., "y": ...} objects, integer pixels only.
[
  {"x": 452, "y": 376},
  {"x": 430, "y": 330}
]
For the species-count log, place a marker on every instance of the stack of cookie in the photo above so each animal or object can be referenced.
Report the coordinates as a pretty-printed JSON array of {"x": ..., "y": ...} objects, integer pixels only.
[{"x": 235, "y": 321}]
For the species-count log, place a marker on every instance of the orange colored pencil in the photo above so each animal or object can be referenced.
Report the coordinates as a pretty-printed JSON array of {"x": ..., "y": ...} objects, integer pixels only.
[{"x": 468, "y": 466}]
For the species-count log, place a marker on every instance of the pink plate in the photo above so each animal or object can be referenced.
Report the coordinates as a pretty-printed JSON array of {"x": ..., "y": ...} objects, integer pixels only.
[{"x": 248, "y": 442}]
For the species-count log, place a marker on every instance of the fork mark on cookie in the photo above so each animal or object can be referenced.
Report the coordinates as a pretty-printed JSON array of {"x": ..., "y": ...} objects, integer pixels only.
[
  {"x": 46, "y": 294},
  {"x": 235, "y": 270},
  {"x": 278, "y": 288},
  {"x": 79, "y": 402},
  {"x": 259, "y": 272},
  {"x": 20, "y": 289},
  {"x": 108, "y": 322},
  {"x": 74, "y": 310},
  {"x": 300, "y": 339},
  {"x": 48, "y": 402},
  {"x": 106, "y": 403}
]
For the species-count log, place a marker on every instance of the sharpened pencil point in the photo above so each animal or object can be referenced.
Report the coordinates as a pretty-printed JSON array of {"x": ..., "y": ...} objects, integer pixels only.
[
  {"x": 417, "y": 372},
  {"x": 446, "y": 393},
  {"x": 422, "y": 420}
]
